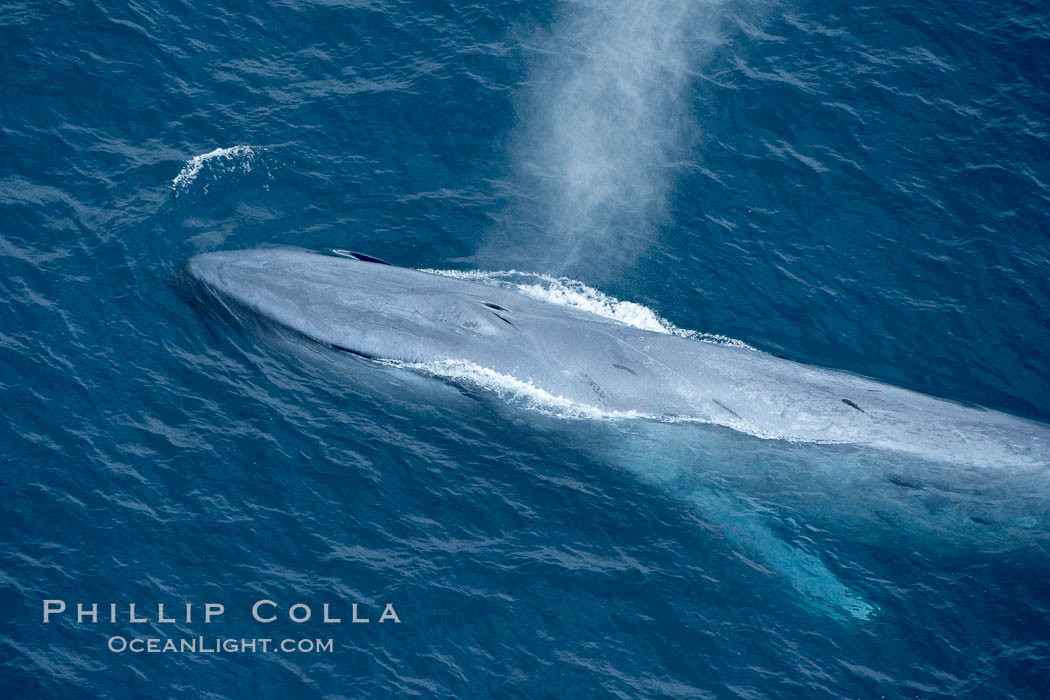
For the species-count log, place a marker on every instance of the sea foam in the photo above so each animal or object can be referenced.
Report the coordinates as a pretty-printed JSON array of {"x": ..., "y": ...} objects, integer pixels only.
[
  {"x": 240, "y": 158},
  {"x": 521, "y": 392},
  {"x": 564, "y": 291}
]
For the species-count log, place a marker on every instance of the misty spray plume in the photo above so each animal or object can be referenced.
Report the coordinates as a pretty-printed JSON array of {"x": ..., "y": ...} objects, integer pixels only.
[{"x": 604, "y": 128}]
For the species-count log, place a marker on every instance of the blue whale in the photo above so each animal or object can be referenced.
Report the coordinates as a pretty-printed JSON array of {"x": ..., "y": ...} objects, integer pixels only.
[
  {"x": 585, "y": 364},
  {"x": 456, "y": 327}
]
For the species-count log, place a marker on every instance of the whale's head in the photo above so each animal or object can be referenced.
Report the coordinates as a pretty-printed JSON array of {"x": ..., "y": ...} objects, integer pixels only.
[{"x": 357, "y": 304}]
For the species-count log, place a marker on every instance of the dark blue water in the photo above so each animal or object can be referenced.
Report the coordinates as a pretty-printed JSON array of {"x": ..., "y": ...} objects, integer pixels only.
[{"x": 864, "y": 187}]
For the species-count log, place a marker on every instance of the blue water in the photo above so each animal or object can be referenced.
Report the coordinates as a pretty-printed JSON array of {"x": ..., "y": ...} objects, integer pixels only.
[{"x": 863, "y": 187}]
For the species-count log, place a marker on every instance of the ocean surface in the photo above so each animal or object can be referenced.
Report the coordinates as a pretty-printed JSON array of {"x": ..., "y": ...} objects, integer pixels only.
[{"x": 860, "y": 186}]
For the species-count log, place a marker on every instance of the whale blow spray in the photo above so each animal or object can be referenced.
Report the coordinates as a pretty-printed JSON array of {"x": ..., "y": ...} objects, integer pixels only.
[{"x": 605, "y": 126}]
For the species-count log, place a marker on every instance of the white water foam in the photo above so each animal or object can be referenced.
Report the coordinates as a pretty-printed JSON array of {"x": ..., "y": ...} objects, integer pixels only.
[
  {"x": 525, "y": 394},
  {"x": 517, "y": 391},
  {"x": 564, "y": 291},
  {"x": 233, "y": 158}
]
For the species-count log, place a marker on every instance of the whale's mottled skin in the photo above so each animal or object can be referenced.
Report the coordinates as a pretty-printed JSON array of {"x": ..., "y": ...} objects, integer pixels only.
[{"x": 392, "y": 313}]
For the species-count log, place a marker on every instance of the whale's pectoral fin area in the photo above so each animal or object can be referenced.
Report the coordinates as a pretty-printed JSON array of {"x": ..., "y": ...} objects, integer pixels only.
[{"x": 806, "y": 573}]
